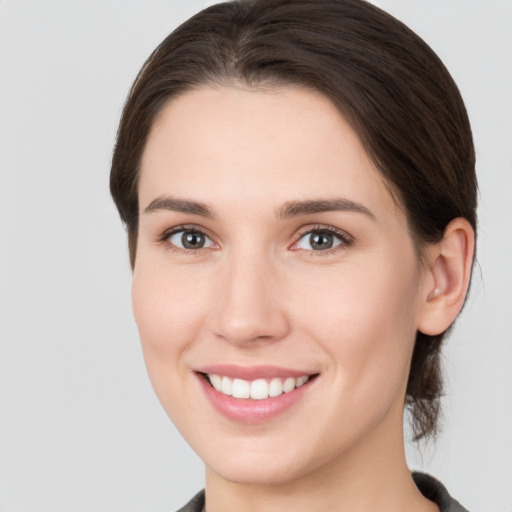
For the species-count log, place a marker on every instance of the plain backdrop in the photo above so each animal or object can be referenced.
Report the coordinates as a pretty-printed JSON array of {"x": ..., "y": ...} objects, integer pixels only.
[{"x": 80, "y": 427}]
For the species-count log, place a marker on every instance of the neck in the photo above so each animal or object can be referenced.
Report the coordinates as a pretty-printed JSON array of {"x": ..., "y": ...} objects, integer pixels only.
[{"x": 373, "y": 475}]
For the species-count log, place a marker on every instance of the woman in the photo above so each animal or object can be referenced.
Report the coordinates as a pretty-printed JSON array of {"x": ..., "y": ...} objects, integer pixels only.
[{"x": 297, "y": 180}]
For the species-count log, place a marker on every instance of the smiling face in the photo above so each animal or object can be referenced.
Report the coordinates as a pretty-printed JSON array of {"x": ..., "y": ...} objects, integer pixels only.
[{"x": 272, "y": 260}]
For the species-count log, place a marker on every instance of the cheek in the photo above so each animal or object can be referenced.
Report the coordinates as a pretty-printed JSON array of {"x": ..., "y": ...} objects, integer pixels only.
[
  {"x": 168, "y": 312},
  {"x": 166, "y": 305},
  {"x": 365, "y": 319}
]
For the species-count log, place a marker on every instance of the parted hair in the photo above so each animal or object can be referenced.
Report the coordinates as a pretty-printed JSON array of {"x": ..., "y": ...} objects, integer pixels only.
[{"x": 385, "y": 80}]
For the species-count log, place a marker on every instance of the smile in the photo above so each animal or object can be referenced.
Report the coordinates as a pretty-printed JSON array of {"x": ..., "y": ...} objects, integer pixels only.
[
  {"x": 252, "y": 395},
  {"x": 259, "y": 389}
]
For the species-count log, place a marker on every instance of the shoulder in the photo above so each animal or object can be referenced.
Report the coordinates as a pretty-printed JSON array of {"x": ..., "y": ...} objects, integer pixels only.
[
  {"x": 196, "y": 504},
  {"x": 435, "y": 491}
]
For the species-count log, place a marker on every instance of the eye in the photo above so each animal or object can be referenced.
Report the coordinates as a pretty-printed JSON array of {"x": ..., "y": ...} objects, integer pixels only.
[
  {"x": 190, "y": 239},
  {"x": 321, "y": 239}
]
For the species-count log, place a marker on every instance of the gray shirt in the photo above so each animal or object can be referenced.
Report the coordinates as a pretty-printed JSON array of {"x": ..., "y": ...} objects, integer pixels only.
[{"x": 428, "y": 485}]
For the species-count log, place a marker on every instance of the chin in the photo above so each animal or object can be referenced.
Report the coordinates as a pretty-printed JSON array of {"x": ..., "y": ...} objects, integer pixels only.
[
  {"x": 275, "y": 464},
  {"x": 261, "y": 473}
]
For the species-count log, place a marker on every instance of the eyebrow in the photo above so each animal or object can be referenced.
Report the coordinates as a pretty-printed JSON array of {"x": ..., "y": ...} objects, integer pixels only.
[
  {"x": 179, "y": 205},
  {"x": 288, "y": 210},
  {"x": 310, "y": 207}
]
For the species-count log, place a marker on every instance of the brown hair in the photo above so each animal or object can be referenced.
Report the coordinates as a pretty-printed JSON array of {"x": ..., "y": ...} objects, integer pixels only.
[{"x": 385, "y": 80}]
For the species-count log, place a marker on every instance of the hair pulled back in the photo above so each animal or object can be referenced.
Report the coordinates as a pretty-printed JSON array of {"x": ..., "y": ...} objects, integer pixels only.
[{"x": 384, "y": 79}]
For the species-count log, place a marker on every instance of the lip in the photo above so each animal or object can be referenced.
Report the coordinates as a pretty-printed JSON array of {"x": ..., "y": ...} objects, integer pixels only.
[
  {"x": 249, "y": 411},
  {"x": 252, "y": 372}
]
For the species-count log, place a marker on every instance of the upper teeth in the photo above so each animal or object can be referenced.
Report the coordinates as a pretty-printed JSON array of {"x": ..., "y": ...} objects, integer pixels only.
[{"x": 258, "y": 389}]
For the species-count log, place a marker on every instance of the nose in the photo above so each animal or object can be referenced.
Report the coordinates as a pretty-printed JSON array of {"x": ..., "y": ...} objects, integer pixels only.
[{"x": 249, "y": 302}]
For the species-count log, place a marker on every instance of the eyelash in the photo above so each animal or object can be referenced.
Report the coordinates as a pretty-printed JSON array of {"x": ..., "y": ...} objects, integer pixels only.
[
  {"x": 345, "y": 239},
  {"x": 167, "y": 234}
]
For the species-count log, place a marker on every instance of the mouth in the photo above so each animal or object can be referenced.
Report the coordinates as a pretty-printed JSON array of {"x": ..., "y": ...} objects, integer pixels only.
[
  {"x": 254, "y": 395},
  {"x": 258, "y": 389}
]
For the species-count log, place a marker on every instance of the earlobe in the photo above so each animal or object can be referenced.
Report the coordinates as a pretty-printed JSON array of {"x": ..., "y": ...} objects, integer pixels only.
[{"x": 448, "y": 277}]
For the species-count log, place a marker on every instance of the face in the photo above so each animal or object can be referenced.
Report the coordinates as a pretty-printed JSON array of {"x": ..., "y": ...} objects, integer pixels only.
[{"x": 276, "y": 286}]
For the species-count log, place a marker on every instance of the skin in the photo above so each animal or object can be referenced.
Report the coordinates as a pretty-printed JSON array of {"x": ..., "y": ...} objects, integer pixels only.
[{"x": 258, "y": 294}]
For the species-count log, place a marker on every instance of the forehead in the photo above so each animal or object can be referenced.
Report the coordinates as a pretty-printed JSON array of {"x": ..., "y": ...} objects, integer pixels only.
[{"x": 239, "y": 145}]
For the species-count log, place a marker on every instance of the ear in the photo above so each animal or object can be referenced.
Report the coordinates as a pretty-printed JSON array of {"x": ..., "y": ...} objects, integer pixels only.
[{"x": 446, "y": 278}]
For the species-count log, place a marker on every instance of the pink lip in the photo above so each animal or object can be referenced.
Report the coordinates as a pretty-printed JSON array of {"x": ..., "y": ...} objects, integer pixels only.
[
  {"x": 246, "y": 410},
  {"x": 252, "y": 372}
]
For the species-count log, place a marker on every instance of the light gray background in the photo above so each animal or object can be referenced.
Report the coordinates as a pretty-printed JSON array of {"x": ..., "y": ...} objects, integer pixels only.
[{"x": 80, "y": 428}]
